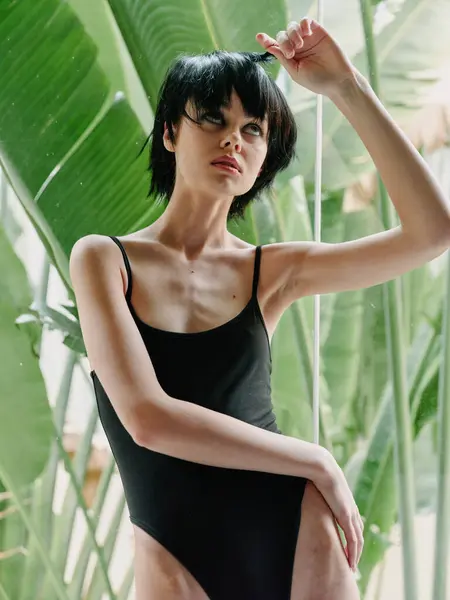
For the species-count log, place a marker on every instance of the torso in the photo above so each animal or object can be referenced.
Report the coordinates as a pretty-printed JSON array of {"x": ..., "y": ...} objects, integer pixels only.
[
  {"x": 173, "y": 294},
  {"x": 167, "y": 295}
]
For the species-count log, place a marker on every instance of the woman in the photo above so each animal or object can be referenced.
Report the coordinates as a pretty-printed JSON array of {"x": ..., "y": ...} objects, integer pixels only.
[{"x": 223, "y": 506}]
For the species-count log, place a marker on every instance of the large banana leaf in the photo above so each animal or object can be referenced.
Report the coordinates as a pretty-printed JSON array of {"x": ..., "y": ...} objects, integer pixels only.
[
  {"x": 82, "y": 133},
  {"x": 155, "y": 35},
  {"x": 79, "y": 172}
]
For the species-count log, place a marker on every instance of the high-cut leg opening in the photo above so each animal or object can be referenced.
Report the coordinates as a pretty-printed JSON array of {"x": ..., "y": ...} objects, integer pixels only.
[{"x": 165, "y": 543}]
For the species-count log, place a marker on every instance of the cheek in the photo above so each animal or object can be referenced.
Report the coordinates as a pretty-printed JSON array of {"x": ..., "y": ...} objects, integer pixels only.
[
  {"x": 189, "y": 157},
  {"x": 196, "y": 148},
  {"x": 258, "y": 156}
]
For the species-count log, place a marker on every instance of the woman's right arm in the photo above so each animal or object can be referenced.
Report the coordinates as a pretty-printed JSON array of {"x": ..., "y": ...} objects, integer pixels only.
[{"x": 154, "y": 419}]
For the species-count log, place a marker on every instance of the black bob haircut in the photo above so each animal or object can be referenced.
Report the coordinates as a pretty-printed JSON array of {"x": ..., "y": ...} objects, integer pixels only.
[{"x": 207, "y": 80}]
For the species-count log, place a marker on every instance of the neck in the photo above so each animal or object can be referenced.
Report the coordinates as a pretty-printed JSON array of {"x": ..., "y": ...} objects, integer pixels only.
[{"x": 193, "y": 225}]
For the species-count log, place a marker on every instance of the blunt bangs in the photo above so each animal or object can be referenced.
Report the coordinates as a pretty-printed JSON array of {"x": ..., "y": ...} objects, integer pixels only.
[{"x": 207, "y": 81}]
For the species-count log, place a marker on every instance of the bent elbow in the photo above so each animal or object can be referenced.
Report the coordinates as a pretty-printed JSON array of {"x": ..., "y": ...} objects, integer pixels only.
[
  {"x": 444, "y": 238},
  {"x": 145, "y": 426},
  {"x": 141, "y": 437},
  {"x": 441, "y": 241},
  {"x": 432, "y": 244}
]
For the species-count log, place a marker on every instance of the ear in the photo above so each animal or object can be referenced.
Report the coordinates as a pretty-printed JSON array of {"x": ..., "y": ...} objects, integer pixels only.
[{"x": 166, "y": 139}]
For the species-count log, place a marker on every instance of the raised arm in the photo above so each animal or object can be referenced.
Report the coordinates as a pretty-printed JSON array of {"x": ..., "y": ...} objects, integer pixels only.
[{"x": 304, "y": 268}]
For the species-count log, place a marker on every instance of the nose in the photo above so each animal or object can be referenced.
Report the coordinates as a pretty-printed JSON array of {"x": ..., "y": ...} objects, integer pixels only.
[{"x": 232, "y": 139}]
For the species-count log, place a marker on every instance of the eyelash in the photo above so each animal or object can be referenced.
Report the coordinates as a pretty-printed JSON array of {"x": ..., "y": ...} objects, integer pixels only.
[{"x": 207, "y": 116}]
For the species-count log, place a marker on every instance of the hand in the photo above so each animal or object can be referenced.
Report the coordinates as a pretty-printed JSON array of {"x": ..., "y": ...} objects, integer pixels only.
[
  {"x": 334, "y": 488},
  {"x": 310, "y": 55}
]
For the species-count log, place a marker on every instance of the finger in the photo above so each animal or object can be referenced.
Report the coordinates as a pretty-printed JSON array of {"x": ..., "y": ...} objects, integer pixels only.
[
  {"x": 272, "y": 46},
  {"x": 305, "y": 26},
  {"x": 294, "y": 33},
  {"x": 269, "y": 44},
  {"x": 361, "y": 521},
  {"x": 359, "y": 535},
  {"x": 362, "y": 540},
  {"x": 286, "y": 44},
  {"x": 360, "y": 524},
  {"x": 352, "y": 544},
  {"x": 361, "y": 546}
]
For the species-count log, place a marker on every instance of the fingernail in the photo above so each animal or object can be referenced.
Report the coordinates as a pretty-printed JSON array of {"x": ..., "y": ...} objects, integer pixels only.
[{"x": 314, "y": 24}]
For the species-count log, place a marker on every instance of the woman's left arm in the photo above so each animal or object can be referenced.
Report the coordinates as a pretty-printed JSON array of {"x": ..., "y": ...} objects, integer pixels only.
[
  {"x": 305, "y": 268},
  {"x": 420, "y": 203}
]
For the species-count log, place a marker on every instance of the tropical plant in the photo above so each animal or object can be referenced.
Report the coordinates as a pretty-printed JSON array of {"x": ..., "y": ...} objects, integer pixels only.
[{"x": 79, "y": 172}]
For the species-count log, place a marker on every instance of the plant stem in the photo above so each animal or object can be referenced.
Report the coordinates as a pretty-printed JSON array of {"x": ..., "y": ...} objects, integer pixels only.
[
  {"x": 442, "y": 542},
  {"x": 54, "y": 577},
  {"x": 395, "y": 346}
]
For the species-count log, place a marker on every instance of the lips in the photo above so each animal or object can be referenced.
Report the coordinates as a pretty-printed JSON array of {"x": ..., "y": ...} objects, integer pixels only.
[
  {"x": 228, "y": 161},
  {"x": 226, "y": 166}
]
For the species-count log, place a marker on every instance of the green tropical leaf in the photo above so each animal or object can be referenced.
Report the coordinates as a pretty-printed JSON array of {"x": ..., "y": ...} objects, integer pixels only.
[
  {"x": 341, "y": 352},
  {"x": 154, "y": 41},
  {"x": 21, "y": 382},
  {"x": 43, "y": 493},
  {"x": 80, "y": 571},
  {"x": 293, "y": 394},
  {"x": 374, "y": 483}
]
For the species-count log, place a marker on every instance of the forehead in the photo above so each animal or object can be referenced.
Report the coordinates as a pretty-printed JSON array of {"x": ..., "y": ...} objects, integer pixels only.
[{"x": 234, "y": 105}]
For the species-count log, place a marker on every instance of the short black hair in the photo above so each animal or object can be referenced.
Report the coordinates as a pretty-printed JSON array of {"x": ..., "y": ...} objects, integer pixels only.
[{"x": 207, "y": 80}]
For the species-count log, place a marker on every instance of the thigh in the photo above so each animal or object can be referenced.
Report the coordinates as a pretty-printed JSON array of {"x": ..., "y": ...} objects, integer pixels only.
[
  {"x": 159, "y": 575},
  {"x": 321, "y": 570}
]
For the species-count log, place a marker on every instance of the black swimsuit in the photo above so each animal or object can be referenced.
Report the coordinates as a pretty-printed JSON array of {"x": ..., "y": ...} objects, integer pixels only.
[{"x": 234, "y": 530}]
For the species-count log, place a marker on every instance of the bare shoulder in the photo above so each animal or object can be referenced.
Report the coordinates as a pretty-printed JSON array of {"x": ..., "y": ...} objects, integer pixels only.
[
  {"x": 89, "y": 249},
  {"x": 91, "y": 255},
  {"x": 90, "y": 246}
]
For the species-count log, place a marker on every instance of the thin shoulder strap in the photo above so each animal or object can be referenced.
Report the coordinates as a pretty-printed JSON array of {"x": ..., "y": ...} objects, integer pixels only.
[
  {"x": 127, "y": 267},
  {"x": 256, "y": 270}
]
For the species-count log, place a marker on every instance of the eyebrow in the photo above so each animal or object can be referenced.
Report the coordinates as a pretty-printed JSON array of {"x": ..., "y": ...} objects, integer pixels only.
[{"x": 246, "y": 115}]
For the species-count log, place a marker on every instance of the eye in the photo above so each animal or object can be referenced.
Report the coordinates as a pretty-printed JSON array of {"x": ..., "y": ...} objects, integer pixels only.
[
  {"x": 210, "y": 117},
  {"x": 255, "y": 125},
  {"x": 218, "y": 117}
]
